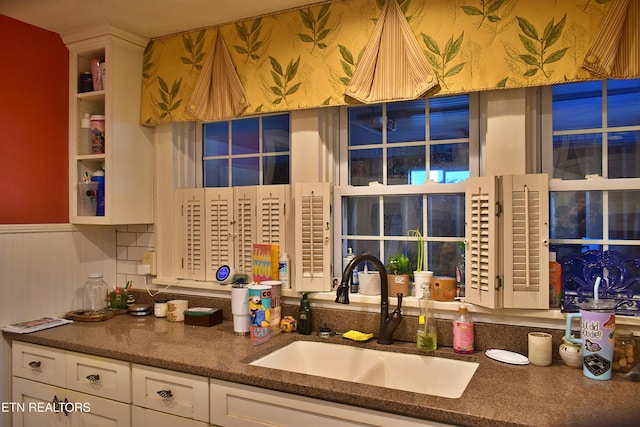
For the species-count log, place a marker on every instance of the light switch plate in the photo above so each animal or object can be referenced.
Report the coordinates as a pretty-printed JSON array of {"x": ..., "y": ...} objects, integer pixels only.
[{"x": 149, "y": 258}]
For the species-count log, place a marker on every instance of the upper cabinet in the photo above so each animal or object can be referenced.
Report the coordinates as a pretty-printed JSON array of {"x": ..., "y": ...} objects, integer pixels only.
[{"x": 105, "y": 135}]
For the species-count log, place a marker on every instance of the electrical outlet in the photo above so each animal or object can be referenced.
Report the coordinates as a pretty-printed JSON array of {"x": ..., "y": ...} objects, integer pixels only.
[{"x": 149, "y": 258}]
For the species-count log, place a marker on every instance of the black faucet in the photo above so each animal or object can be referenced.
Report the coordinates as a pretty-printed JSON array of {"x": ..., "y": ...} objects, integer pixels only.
[{"x": 388, "y": 324}]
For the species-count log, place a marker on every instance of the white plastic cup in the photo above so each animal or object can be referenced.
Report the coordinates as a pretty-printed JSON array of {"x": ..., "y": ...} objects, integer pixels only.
[
  {"x": 539, "y": 348},
  {"x": 240, "y": 309}
]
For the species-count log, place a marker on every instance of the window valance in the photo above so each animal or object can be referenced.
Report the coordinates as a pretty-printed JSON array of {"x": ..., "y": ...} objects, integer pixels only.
[{"x": 306, "y": 58}]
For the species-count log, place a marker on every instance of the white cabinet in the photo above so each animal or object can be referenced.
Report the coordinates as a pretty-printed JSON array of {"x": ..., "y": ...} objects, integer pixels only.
[
  {"x": 54, "y": 387},
  {"x": 141, "y": 417},
  {"x": 127, "y": 159},
  {"x": 175, "y": 393},
  {"x": 237, "y": 405}
]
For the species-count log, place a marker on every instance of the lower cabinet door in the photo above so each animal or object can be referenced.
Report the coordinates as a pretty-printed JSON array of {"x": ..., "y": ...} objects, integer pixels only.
[
  {"x": 38, "y": 405},
  {"x": 98, "y": 412},
  {"x": 141, "y": 417}
]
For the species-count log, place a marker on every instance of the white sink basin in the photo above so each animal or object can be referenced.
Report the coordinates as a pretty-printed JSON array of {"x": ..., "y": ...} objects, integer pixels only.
[{"x": 435, "y": 376}]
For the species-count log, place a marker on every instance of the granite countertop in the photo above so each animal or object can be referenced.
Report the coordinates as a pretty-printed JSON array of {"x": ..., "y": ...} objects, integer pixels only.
[{"x": 498, "y": 395}]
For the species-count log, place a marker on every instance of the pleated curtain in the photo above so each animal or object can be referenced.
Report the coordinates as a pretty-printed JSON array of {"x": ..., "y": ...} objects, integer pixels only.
[
  {"x": 218, "y": 93},
  {"x": 615, "y": 51},
  {"x": 392, "y": 67}
]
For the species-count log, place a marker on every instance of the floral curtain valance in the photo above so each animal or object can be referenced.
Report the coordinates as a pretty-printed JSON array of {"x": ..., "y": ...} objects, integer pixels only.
[{"x": 306, "y": 58}]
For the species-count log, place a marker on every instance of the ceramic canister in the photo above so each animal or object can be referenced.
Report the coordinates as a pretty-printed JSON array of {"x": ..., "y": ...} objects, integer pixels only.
[
  {"x": 276, "y": 308},
  {"x": 175, "y": 310}
]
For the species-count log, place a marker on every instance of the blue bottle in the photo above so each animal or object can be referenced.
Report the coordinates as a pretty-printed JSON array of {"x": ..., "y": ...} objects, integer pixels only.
[{"x": 98, "y": 176}]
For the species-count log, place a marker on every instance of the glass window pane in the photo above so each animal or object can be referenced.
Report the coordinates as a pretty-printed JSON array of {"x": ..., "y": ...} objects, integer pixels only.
[
  {"x": 216, "y": 173},
  {"x": 397, "y": 247},
  {"x": 216, "y": 139},
  {"x": 624, "y": 148},
  {"x": 406, "y": 165},
  {"x": 245, "y": 171},
  {"x": 622, "y": 94},
  {"x": 577, "y": 106},
  {"x": 406, "y": 121},
  {"x": 449, "y": 162},
  {"x": 627, "y": 250},
  {"x": 441, "y": 257},
  {"x": 401, "y": 214},
  {"x": 445, "y": 215},
  {"x": 365, "y": 125},
  {"x": 624, "y": 214},
  {"x": 275, "y": 133},
  {"x": 449, "y": 117},
  {"x": 576, "y": 215},
  {"x": 565, "y": 251},
  {"x": 361, "y": 216},
  {"x": 245, "y": 136},
  {"x": 275, "y": 170},
  {"x": 575, "y": 156},
  {"x": 365, "y": 166}
]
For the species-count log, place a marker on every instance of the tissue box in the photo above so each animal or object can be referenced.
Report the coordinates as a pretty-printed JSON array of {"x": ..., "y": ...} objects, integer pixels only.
[{"x": 203, "y": 316}]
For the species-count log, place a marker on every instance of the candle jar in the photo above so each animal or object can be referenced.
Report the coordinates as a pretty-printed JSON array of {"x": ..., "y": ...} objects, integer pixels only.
[{"x": 623, "y": 354}]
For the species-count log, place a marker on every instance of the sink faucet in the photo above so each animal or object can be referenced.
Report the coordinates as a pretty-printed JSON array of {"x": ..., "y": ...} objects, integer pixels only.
[{"x": 388, "y": 324}]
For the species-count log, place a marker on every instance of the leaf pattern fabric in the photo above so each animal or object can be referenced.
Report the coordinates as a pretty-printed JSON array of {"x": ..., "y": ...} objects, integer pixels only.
[{"x": 307, "y": 57}]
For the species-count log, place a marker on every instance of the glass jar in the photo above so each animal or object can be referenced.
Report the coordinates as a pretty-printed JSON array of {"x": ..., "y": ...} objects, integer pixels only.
[
  {"x": 623, "y": 355},
  {"x": 95, "y": 293}
]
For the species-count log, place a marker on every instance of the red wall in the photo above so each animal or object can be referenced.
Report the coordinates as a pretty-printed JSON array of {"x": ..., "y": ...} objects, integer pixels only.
[{"x": 34, "y": 111}]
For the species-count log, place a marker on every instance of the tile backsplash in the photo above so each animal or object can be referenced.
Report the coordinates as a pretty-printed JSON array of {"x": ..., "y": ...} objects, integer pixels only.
[{"x": 131, "y": 242}]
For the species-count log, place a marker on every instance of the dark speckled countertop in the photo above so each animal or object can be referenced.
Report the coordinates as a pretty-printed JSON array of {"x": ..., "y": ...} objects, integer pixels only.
[{"x": 498, "y": 395}]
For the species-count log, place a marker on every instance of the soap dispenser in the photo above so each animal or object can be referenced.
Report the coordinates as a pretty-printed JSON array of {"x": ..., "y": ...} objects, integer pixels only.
[
  {"x": 463, "y": 334},
  {"x": 427, "y": 337},
  {"x": 305, "y": 316}
]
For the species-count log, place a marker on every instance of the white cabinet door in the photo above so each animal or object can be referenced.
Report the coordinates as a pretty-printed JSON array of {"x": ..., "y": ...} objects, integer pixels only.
[
  {"x": 141, "y": 417},
  {"x": 176, "y": 393},
  {"x": 99, "y": 376},
  {"x": 93, "y": 411},
  {"x": 38, "y": 363},
  {"x": 37, "y": 404}
]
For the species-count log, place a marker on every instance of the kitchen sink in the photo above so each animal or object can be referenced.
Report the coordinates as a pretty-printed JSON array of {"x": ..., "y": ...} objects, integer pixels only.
[{"x": 436, "y": 376}]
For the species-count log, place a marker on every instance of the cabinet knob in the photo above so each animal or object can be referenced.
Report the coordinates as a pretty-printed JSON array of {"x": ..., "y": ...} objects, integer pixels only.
[
  {"x": 35, "y": 364},
  {"x": 93, "y": 378},
  {"x": 165, "y": 394}
]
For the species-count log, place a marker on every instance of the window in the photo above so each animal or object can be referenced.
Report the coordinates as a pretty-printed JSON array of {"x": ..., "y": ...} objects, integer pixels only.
[
  {"x": 595, "y": 198},
  {"x": 412, "y": 148},
  {"x": 248, "y": 151}
]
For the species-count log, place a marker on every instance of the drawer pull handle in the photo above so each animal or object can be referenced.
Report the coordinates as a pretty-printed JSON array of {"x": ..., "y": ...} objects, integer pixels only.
[
  {"x": 59, "y": 404},
  {"x": 35, "y": 364},
  {"x": 93, "y": 378},
  {"x": 165, "y": 394}
]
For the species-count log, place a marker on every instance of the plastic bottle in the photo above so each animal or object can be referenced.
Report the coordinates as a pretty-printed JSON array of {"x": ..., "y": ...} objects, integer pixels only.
[
  {"x": 283, "y": 270},
  {"x": 463, "y": 334},
  {"x": 427, "y": 338},
  {"x": 86, "y": 136},
  {"x": 355, "y": 284},
  {"x": 305, "y": 316},
  {"x": 95, "y": 293},
  {"x": 98, "y": 176},
  {"x": 555, "y": 281}
]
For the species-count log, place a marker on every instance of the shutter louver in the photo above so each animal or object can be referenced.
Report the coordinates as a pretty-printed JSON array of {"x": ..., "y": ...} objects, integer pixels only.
[
  {"x": 313, "y": 269},
  {"x": 244, "y": 226},
  {"x": 482, "y": 243},
  {"x": 270, "y": 214},
  {"x": 219, "y": 232},
  {"x": 194, "y": 216},
  {"x": 191, "y": 219}
]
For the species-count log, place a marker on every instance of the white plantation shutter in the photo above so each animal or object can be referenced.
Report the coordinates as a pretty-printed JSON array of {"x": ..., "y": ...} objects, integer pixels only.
[
  {"x": 526, "y": 234},
  {"x": 272, "y": 211},
  {"x": 191, "y": 264},
  {"x": 482, "y": 285},
  {"x": 244, "y": 228},
  {"x": 507, "y": 230},
  {"x": 219, "y": 232},
  {"x": 312, "y": 231}
]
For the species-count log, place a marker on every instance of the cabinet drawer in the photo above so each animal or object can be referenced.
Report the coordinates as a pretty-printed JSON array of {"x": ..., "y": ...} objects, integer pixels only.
[
  {"x": 38, "y": 363},
  {"x": 185, "y": 395},
  {"x": 141, "y": 417},
  {"x": 99, "y": 376}
]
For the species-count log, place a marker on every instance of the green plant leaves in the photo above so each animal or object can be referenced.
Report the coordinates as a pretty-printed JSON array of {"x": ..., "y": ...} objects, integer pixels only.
[
  {"x": 317, "y": 25},
  {"x": 195, "y": 49},
  {"x": 440, "y": 59},
  {"x": 168, "y": 95},
  {"x": 250, "y": 36},
  {"x": 536, "y": 46},
  {"x": 282, "y": 78}
]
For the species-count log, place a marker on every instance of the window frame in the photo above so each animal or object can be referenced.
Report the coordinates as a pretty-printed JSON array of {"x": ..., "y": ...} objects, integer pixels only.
[
  {"x": 602, "y": 184},
  {"x": 344, "y": 189}
]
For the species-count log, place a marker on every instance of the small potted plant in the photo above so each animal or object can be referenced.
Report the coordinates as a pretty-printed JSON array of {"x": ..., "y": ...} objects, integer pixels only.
[{"x": 398, "y": 274}]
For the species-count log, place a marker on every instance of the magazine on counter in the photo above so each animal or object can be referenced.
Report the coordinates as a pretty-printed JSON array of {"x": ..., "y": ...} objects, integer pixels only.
[{"x": 35, "y": 325}]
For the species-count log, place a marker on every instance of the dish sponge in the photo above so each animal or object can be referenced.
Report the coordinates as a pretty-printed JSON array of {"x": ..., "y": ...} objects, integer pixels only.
[{"x": 357, "y": 336}]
